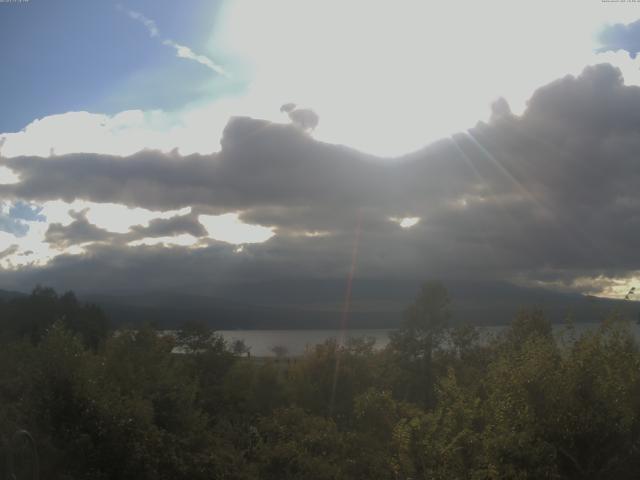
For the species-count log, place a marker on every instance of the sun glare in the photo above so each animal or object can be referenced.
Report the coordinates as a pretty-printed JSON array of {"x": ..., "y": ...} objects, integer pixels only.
[{"x": 423, "y": 54}]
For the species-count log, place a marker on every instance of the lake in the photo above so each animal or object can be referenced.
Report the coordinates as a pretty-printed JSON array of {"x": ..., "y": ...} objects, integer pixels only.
[{"x": 296, "y": 341}]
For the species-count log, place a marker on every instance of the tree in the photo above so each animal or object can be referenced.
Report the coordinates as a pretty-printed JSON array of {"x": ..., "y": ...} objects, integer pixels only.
[
  {"x": 197, "y": 337},
  {"x": 296, "y": 445},
  {"x": 239, "y": 348},
  {"x": 327, "y": 378},
  {"x": 32, "y": 316},
  {"x": 421, "y": 333},
  {"x": 280, "y": 351}
]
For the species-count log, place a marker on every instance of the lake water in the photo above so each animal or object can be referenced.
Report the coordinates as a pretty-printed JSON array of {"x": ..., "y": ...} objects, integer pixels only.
[{"x": 297, "y": 341}]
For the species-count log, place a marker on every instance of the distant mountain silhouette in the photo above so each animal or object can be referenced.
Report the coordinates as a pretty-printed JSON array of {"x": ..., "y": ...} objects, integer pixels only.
[
  {"x": 8, "y": 294},
  {"x": 375, "y": 304},
  {"x": 319, "y": 304}
]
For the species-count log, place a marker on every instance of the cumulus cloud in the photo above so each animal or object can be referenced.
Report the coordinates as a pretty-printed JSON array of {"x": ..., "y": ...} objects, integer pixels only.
[
  {"x": 500, "y": 109},
  {"x": 121, "y": 134},
  {"x": 10, "y": 250},
  {"x": 77, "y": 232},
  {"x": 261, "y": 164},
  {"x": 305, "y": 118},
  {"x": 173, "y": 226},
  {"x": 81, "y": 231},
  {"x": 547, "y": 197}
]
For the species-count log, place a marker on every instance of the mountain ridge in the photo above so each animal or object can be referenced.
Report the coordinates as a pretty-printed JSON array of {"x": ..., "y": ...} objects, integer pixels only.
[{"x": 373, "y": 305}]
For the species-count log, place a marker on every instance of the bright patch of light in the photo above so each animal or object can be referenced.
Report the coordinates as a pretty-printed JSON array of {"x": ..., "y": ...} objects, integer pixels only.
[
  {"x": 76, "y": 249},
  {"x": 6, "y": 240},
  {"x": 183, "y": 240},
  {"x": 415, "y": 71},
  {"x": 7, "y": 176},
  {"x": 406, "y": 222},
  {"x": 31, "y": 248},
  {"x": 57, "y": 211},
  {"x": 316, "y": 233},
  {"x": 598, "y": 286},
  {"x": 120, "y": 218},
  {"x": 228, "y": 228},
  {"x": 310, "y": 233},
  {"x": 461, "y": 203},
  {"x": 621, "y": 288}
]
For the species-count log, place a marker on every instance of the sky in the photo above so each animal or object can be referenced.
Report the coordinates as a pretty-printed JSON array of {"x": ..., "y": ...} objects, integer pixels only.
[{"x": 150, "y": 145}]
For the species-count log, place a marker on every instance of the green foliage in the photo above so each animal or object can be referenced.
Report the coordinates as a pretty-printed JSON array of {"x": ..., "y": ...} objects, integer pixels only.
[
  {"x": 296, "y": 445},
  {"x": 328, "y": 377},
  {"x": 437, "y": 403},
  {"x": 251, "y": 389},
  {"x": 419, "y": 337}
]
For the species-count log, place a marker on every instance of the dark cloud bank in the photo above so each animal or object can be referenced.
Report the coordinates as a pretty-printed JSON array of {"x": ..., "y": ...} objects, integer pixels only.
[{"x": 552, "y": 195}]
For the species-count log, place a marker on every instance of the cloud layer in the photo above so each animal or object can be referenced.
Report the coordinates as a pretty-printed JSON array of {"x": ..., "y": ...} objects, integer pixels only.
[{"x": 548, "y": 197}]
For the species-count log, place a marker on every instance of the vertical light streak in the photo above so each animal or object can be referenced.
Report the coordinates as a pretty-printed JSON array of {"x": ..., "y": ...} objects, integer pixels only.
[{"x": 345, "y": 310}]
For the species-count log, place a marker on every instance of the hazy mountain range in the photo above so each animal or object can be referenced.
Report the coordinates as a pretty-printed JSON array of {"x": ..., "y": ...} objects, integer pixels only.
[{"x": 319, "y": 304}]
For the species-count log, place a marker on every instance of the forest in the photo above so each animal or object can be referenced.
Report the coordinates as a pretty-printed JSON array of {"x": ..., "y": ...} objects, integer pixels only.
[{"x": 439, "y": 402}]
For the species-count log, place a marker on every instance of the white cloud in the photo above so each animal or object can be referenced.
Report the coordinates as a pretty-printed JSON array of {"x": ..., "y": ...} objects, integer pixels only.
[
  {"x": 7, "y": 240},
  {"x": 73, "y": 132},
  {"x": 181, "y": 50},
  {"x": 185, "y": 52},
  {"x": 147, "y": 22},
  {"x": 7, "y": 176},
  {"x": 196, "y": 129},
  {"x": 32, "y": 250}
]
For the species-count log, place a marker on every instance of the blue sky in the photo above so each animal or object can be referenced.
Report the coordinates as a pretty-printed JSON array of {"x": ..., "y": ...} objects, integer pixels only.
[{"x": 61, "y": 56}]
